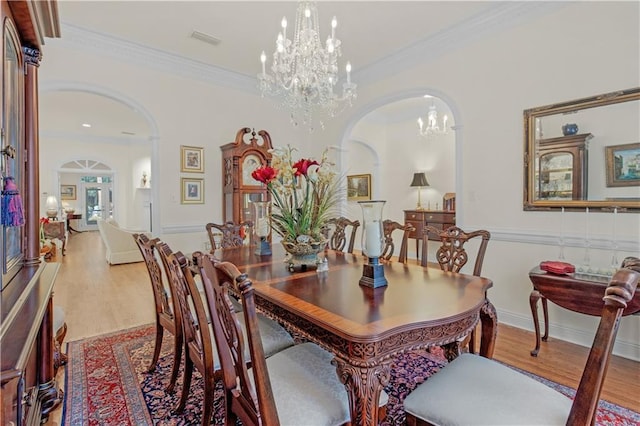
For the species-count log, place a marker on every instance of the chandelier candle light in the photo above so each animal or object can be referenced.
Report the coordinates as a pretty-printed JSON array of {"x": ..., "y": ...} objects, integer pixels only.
[
  {"x": 432, "y": 127},
  {"x": 372, "y": 244},
  {"x": 304, "y": 72}
]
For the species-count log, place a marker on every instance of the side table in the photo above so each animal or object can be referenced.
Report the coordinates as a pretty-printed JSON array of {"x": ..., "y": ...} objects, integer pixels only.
[
  {"x": 577, "y": 292},
  {"x": 56, "y": 229},
  {"x": 70, "y": 217},
  {"x": 441, "y": 219}
]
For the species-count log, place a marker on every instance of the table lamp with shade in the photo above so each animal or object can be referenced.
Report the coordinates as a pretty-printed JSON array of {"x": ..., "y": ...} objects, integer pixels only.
[
  {"x": 419, "y": 180},
  {"x": 52, "y": 207}
]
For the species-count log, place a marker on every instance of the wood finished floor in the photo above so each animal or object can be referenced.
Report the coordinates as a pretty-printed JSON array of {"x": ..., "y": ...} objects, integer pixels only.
[{"x": 98, "y": 298}]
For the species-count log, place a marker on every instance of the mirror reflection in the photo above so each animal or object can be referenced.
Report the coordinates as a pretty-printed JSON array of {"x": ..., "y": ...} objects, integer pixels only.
[{"x": 584, "y": 153}]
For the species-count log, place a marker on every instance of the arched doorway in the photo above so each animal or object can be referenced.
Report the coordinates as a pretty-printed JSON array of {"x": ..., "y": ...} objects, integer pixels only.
[
  {"x": 384, "y": 140},
  {"x": 97, "y": 123},
  {"x": 86, "y": 188}
]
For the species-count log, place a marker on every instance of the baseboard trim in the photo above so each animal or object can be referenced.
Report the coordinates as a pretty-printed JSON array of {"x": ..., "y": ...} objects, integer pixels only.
[{"x": 625, "y": 349}]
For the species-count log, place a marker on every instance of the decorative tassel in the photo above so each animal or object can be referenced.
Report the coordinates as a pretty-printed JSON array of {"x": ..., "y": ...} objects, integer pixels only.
[{"x": 12, "y": 212}]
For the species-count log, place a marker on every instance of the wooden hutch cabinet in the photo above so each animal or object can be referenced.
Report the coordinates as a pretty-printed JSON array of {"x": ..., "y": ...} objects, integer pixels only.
[
  {"x": 28, "y": 387},
  {"x": 239, "y": 159},
  {"x": 561, "y": 168},
  {"x": 440, "y": 219}
]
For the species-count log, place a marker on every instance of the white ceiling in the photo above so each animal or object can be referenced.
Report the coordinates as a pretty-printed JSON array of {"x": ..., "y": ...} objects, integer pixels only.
[{"x": 369, "y": 31}]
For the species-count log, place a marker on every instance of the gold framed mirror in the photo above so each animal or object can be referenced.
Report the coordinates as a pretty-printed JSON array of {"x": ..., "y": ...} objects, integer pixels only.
[{"x": 584, "y": 153}]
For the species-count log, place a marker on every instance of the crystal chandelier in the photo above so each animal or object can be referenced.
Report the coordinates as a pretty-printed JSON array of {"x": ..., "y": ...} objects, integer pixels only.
[
  {"x": 304, "y": 72},
  {"x": 433, "y": 127}
]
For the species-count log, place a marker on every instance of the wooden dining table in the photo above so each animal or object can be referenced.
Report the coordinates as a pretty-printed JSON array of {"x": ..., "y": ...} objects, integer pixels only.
[{"x": 365, "y": 327}]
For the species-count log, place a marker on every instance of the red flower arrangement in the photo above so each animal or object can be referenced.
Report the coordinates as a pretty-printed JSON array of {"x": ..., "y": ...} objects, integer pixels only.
[{"x": 305, "y": 194}]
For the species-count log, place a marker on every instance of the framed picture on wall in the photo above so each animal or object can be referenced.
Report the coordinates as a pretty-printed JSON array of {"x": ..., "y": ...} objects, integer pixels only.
[
  {"x": 192, "y": 191},
  {"x": 191, "y": 159},
  {"x": 359, "y": 187},
  {"x": 68, "y": 192},
  {"x": 623, "y": 165}
]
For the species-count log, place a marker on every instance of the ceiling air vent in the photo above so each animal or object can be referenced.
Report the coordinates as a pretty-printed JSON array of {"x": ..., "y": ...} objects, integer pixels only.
[{"x": 198, "y": 35}]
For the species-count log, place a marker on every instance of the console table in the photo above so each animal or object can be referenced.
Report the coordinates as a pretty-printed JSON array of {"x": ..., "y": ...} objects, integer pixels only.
[
  {"x": 70, "y": 217},
  {"x": 577, "y": 292},
  {"x": 440, "y": 219}
]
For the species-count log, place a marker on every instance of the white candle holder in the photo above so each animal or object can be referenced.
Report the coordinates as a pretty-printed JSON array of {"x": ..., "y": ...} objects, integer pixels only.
[
  {"x": 262, "y": 227},
  {"x": 372, "y": 243}
]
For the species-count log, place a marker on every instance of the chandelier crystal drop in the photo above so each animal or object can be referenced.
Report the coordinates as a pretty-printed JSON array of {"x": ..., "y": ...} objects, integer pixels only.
[
  {"x": 433, "y": 126},
  {"x": 304, "y": 71}
]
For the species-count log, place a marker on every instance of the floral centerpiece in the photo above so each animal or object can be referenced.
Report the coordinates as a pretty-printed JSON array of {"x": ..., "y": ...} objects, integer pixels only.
[{"x": 305, "y": 195}]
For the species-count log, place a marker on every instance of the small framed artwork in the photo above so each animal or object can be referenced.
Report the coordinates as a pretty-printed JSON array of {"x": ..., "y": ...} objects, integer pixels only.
[
  {"x": 191, "y": 159},
  {"x": 192, "y": 191},
  {"x": 623, "y": 165},
  {"x": 68, "y": 192},
  {"x": 359, "y": 187}
]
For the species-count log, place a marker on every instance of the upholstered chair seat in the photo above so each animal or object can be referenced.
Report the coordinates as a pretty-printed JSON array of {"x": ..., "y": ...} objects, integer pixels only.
[
  {"x": 472, "y": 390},
  {"x": 305, "y": 386},
  {"x": 468, "y": 379},
  {"x": 298, "y": 385}
]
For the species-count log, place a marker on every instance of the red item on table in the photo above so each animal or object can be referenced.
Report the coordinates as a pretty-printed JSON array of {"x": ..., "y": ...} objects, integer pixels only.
[{"x": 555, "y": 267}]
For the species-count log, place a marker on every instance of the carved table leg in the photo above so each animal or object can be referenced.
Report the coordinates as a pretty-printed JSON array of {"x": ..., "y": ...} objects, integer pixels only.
[
  {"x": 364, "y": 385},
  {"x": 489, "y": 324},
  {"x": 452, "y": 350},
  {"x": 533, "y": 301},
  {"x": 545, "y": 313}
]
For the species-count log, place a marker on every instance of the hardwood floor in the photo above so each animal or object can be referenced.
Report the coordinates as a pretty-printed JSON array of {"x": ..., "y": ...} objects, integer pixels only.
[{"x": 98, "y": 298}]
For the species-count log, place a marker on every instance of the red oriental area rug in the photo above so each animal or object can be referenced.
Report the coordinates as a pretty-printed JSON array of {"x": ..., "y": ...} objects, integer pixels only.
[{"x": 107, "y": 384}]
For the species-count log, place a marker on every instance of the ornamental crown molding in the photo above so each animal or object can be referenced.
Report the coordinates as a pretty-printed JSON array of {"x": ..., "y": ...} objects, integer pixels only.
[
  {"x": 502, "y": 16},
  {"x": 145, "y": 56}
]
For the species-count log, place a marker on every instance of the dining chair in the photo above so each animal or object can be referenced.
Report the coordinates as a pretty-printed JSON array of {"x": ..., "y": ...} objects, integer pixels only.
[
  {"x": 230, "y": 234},
  {"x": 200, "y": 351},
  {"x": 475, "y": 390},
  {"x": 298, "y": 384},
  {"x": 338, "y": 239},
  {"x": 198, "y": 348},
  {"x": 452, "y": 254},
  {"x": 388, "y": 226},
  {"x": 166, "y": 315}
]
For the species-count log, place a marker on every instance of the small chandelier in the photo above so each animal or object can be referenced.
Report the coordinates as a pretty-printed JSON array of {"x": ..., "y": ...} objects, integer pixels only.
[
  {"x": 433, "y": 127},
  {"x": 304, "y": 72}
]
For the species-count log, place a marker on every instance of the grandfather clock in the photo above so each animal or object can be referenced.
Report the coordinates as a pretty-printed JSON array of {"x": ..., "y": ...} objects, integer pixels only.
[{"x": 239, "y": 159}]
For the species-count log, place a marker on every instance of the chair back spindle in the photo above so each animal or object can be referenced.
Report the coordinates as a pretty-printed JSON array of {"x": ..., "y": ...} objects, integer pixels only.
[
  {"x": 388, "y": 227},
  {"x": 338, "y": 239},
  {"x": 452, "y": 254}
]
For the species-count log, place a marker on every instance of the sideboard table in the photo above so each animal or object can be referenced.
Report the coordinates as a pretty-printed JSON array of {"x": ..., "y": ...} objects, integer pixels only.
[
  {"x": 440, "y": 219},
  {"x": 580, "y": 293}
]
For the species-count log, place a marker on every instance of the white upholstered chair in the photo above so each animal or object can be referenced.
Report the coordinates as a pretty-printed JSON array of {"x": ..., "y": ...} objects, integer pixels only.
[{"x": 120, "y": 243}]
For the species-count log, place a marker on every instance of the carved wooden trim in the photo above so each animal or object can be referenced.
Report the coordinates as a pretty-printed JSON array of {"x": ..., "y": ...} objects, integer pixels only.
[{"x": 356, "y": 353}]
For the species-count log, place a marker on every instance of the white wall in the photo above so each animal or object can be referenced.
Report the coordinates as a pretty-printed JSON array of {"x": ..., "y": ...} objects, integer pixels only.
[
  {"x": 583, "y": 49},
  {"x": 489, "y": 83}
]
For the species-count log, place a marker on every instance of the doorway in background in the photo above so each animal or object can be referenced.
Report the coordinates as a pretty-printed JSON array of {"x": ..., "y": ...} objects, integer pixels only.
[{"x": 97, "y": 193}]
